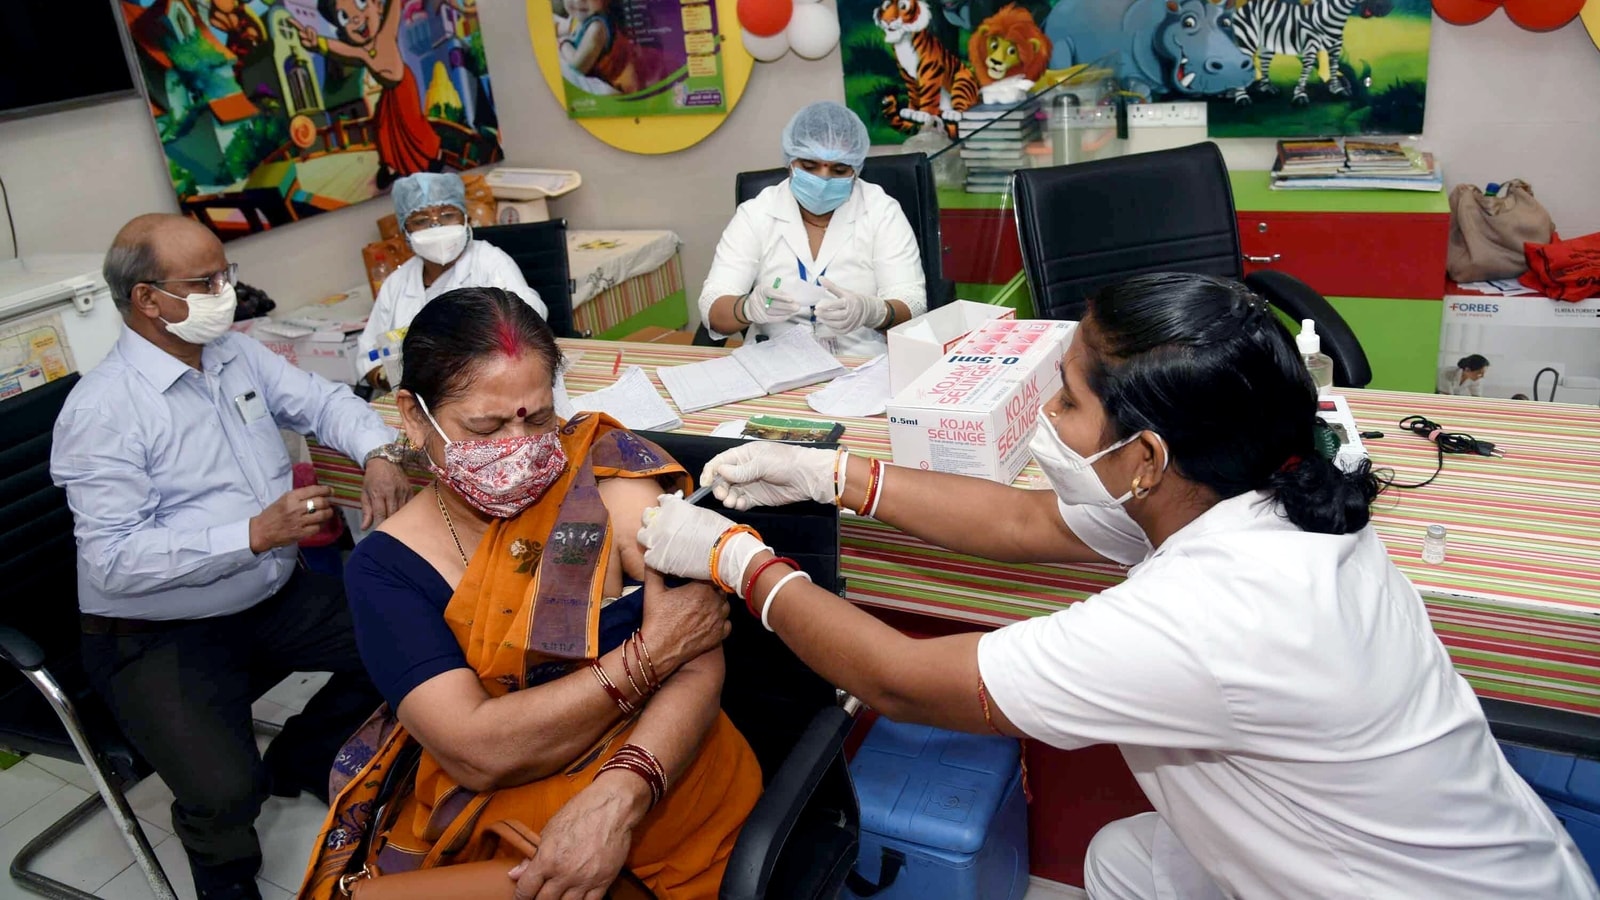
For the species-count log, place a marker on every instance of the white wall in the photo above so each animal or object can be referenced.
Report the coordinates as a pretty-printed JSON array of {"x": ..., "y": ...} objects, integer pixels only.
[{"x": 1503, "y": 103}]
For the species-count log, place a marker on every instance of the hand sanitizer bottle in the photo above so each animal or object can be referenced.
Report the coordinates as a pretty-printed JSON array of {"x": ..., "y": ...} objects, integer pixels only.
[{"x": 1319, "y": 364}]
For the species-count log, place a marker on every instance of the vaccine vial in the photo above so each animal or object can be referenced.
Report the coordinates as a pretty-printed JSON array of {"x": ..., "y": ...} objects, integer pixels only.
[{"x": 1433, "y": 545}]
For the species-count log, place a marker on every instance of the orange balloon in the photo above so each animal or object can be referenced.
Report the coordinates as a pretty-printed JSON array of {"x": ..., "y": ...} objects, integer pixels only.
[
  {"x": 765, "y": 18},
  {"x": 1543, "y": 15}
]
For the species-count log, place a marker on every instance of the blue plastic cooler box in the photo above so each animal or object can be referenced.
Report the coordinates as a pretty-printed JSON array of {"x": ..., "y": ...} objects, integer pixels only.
[{"x": 942, "y": 816}]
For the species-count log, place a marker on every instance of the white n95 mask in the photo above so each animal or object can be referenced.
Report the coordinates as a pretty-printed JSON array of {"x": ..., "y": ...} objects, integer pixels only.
[
  {"x": 1071, "y": 475},
  {"x": 210, "y": 316},
  {"x": 440, "y": 245}
]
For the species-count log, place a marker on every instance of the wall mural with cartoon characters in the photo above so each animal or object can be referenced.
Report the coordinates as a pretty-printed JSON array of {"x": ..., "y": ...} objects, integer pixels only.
[
  {"x": 273, "y": 110},
  {"x": 1268, "y": 68}
]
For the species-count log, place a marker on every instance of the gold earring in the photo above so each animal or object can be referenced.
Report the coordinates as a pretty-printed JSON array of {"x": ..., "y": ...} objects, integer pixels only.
[{"x": 1139, "y": 493}]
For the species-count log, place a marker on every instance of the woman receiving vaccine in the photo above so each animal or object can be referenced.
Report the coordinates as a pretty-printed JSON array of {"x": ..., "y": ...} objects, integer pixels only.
[
  {"x": 822, "y": 250},
  {"x": 1270, "y": 676},
  {"x": 432, "y": 209}
]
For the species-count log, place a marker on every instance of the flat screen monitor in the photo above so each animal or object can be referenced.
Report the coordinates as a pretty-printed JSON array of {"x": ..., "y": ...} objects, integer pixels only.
[{"x": 60, "y": 53}]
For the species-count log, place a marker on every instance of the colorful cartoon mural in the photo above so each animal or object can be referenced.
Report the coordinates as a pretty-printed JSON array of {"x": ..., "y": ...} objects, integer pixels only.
[
  {"x": 273, "y": 110},
  {"x": 1267, "y": 67}
]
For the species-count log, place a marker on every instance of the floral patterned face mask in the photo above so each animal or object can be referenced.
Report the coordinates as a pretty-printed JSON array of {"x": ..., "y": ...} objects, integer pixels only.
[{"x": 501, "y": 477}]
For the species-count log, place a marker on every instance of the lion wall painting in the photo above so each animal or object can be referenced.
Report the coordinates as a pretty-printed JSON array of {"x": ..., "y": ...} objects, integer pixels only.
[{"x": 1268, "y": 68}]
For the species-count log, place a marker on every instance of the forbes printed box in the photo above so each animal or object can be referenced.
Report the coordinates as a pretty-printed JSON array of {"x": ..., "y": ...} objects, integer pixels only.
[{"x": 973, "y": 411}]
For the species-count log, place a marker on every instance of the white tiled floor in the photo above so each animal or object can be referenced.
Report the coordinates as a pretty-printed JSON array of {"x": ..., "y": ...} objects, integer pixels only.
[{"x": 93, "y": 858}]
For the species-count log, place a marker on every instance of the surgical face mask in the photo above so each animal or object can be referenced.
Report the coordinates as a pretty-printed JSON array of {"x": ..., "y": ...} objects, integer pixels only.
[
  {"x": 819, "y": 195},
  {"x": 440, "y": 245},
  {"x": 210, "y": 316},
  {"x": 1071, "y": 475},
  {"x": 500, "y": 477}
]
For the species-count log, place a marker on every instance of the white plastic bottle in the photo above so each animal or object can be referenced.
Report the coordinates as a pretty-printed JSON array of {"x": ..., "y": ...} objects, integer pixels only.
[{"x": 1319, "y": 364}]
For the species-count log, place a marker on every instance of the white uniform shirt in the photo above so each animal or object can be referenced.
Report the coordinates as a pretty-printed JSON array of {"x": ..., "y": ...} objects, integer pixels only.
[
  {"x": 868, "y": 248},
  {"x": 1283, "y": 701},
  {"x": 1450, "y": 383},
  {"x": 402, "y": 296}
]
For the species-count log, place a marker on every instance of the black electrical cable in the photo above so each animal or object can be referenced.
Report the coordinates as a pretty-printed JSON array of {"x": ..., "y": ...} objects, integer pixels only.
[
  {"x": 11, "y": 223},
  {"x": 1446, "y": 441}
]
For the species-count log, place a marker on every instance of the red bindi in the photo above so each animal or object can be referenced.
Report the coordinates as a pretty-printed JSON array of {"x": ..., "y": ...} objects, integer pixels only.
[{"x": 522, "y": 412}]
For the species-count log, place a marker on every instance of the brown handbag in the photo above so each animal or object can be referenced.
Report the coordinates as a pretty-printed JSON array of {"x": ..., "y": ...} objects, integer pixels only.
[{"x": 1487, "y": 234}]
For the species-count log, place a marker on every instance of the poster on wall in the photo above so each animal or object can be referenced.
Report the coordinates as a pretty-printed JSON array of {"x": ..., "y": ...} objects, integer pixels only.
[
  {"x": 626, "y": 58},
  {"x": 270, "y": 111},
  {"x": 1279, "y": 68},
  {"x": 33, "y": 352}
]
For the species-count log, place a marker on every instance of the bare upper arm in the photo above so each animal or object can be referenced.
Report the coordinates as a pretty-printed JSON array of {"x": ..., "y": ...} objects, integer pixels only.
[
  {"x": 436, "y": 713},
  {"x": 627, "y": 499}
]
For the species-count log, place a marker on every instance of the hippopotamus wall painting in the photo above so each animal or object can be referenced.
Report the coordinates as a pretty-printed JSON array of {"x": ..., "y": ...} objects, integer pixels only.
[{"x": 1161, "y": 47}]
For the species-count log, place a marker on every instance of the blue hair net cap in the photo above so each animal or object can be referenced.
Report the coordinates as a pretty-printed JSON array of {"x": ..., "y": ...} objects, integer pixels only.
[
  {"x": 426, "y": 189},
  {"x": 828, "y": 132}
]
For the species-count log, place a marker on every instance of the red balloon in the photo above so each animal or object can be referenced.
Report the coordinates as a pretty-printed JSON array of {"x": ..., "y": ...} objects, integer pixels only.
[
  {"x": 765, "y": 18},
  {"x": 1465, "y": 12},
  {"x": 1543, "y": 15},
  {"x": 1534, "y": 15}
]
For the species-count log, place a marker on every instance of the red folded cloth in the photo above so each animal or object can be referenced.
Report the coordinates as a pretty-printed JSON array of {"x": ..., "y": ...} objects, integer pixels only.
[
  {"x": 1564, "y": 270},
  {"x": 306, "y": 476}
]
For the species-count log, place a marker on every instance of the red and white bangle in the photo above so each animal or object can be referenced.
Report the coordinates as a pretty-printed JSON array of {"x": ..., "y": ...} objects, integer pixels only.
[{"x": 869, "y": 501}]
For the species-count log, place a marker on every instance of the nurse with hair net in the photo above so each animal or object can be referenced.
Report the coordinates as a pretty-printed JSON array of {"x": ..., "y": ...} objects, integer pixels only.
[
  {"x": 432, "y": 209},
  {"x": 822, "y": 250}
]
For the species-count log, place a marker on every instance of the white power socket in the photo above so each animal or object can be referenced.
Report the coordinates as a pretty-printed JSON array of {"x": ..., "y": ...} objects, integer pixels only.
[{"x": 1166, "y": 115}]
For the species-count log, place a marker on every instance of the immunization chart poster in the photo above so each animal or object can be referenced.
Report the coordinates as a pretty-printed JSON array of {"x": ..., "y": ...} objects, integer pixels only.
[{"x": 628, "y": 58}]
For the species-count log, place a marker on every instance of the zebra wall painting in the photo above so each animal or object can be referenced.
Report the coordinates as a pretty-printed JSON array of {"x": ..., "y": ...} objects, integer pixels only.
[{"x": 1308, "y": 31}]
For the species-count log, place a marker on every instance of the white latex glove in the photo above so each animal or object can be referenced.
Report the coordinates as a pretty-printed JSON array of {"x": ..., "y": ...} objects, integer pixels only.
[
  {"x": 678, "y": 538},
  {"x": 845, "y": 311},
  {"x": 768, "y": 473},
  {"x": 767, "y": 304}
]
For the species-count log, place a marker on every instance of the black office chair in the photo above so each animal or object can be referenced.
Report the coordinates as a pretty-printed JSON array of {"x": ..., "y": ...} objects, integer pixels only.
[
  {"x": 1090, "y": 224},
  {"x": 800, "y": 842},
  {"x": 540, "y": 251},
  {"x": 46, "y": 704},
  {"x": 908, "y": 178}
]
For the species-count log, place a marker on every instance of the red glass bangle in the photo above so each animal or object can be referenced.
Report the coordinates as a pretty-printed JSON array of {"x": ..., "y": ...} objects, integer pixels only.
[
  {"x": 750, "y": 583},
  {"x": 611, "y": 689}
]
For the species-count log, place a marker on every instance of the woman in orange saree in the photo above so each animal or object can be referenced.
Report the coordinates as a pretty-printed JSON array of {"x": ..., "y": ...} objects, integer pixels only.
[{"x": 485, "y": 611}]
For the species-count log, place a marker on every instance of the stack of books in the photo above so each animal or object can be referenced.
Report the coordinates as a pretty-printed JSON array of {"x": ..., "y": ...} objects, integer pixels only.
[
  {"x": 994, "y": 143},
  {"x": 1358, "y": 165}
]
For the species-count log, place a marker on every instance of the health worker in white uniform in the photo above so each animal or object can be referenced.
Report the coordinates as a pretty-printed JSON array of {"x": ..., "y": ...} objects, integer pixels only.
[
  {"x": 432, "y": 209},
  {"x": 1271, "y": 677},
  {"x": 821, "y": 250}
]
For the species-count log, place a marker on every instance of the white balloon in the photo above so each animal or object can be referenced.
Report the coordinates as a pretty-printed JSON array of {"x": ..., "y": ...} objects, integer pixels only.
[
  {"x": 765, "y": 49},
  {"x": 813, "y": 30}
]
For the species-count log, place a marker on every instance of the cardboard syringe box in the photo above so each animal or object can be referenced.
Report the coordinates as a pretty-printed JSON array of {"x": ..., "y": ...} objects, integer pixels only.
[
  {"x": 973, "y": 411},
  {"x": 921, "y": 342}
]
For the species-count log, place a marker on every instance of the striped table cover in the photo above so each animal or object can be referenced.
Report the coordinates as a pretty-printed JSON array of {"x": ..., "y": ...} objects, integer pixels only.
[
  {"x": 618, "y": 303},
  {"x": 1517, "y": 601}
]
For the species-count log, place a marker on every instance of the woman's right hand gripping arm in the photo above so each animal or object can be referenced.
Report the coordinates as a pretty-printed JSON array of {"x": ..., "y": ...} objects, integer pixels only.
[{"x": 968, "y": 515}]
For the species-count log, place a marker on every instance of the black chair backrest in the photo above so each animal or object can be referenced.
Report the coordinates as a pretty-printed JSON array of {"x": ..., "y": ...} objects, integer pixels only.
[
  {"x": 908, "y": 178},
  {"x": 38, "y": 566},
  {"x": 1086, "y": 225},
  {"x": 769, "y": 693},
  {"x": 540, "y": 251}
]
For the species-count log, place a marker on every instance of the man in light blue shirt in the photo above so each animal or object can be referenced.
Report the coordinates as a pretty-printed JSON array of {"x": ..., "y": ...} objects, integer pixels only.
[{"x": 187, "y": 527}]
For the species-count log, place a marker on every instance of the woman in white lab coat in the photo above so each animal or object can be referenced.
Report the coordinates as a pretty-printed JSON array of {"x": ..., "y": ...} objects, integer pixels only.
[
  {"x": 822, "y": 250},
  {"x": 1271, "y": 677},
  {"x": 432, "y": 209}
]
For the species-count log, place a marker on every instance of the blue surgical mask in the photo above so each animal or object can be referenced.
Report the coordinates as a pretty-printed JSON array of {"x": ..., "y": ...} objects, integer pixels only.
[{"x": 819, "y": 195}]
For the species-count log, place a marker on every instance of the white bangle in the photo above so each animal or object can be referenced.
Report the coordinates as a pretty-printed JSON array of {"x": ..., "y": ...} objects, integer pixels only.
[
  {"x": 883, "y": 478},
  {"x": 774, "y": 592}
]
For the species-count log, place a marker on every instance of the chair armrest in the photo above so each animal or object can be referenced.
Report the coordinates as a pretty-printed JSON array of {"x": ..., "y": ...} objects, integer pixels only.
[
  {"x": 762, "y": 839},
  {"x": 20, "y": 650},
  {"x": 1300, "y": 301}
]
